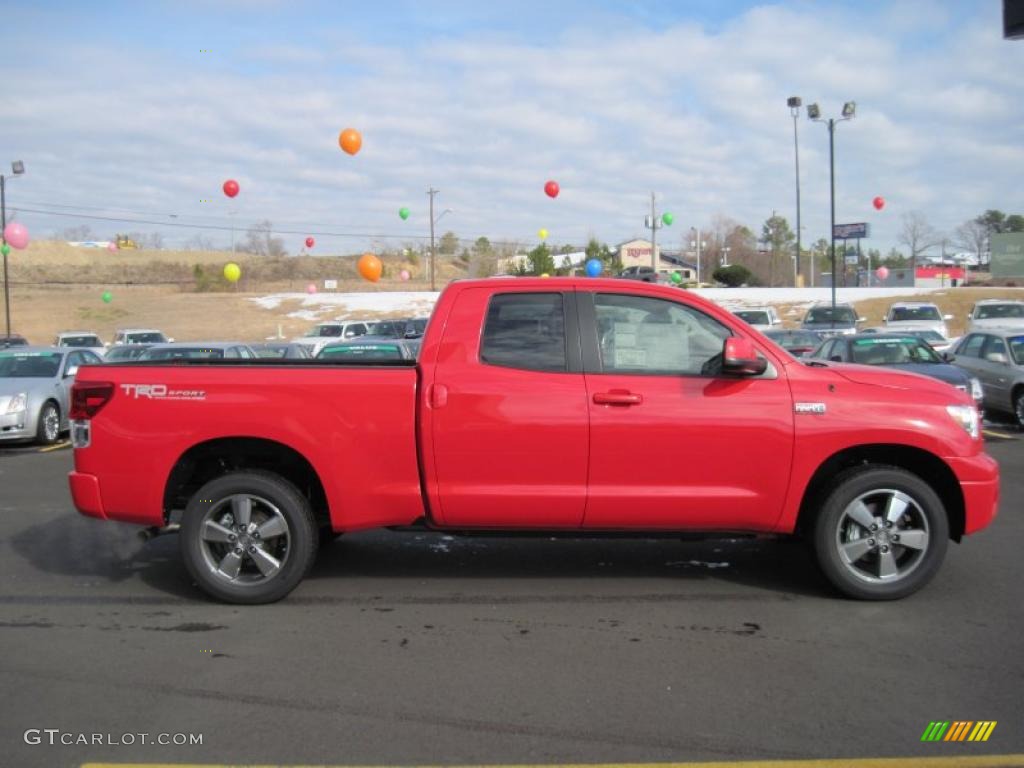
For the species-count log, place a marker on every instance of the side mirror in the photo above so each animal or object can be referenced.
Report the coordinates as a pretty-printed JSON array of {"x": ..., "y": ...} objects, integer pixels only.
[
  {"x": 996, "y": 357},
  {"x": 740, "y": 358},
  {"x": 948, "y": 357},
  {"x": 71, "y": 371},
  {"x": 864, "y": 320},
  {"x": 947, "y": 317},
  {"x": 170, "y": 341}
]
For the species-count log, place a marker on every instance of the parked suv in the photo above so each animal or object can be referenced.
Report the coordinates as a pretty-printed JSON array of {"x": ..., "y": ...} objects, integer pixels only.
[
  {"x": 821, "y": 319},
  {"x": 646, "y": 274},
  {"x": 918, "y": 316},
  {"x": 81, "y": 340},
  {"x": 322, "y": 334},
  {"x": 996, "y": 313},
  {"x": 761, "y": 318},
  {"x": 139, "y": 336}
]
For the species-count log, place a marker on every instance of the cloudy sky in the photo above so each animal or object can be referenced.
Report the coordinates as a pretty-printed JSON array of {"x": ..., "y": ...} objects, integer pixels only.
[{"x": 141, "y": 110}]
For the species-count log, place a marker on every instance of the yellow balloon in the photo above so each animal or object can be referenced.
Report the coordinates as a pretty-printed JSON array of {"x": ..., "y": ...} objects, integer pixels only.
[
  {"x": 543, "y": 234},
  {"x": 232, "y": 272},
  {"x": 545, "y": 274}
]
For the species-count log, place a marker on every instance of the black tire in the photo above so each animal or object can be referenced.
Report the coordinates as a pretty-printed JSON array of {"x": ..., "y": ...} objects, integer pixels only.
[
  {"x": 876, "y": 563},
  {"x": 47, "y": 414},
  {"x": 1018, "y": 407},
  {"x": 274, "y": 505}
]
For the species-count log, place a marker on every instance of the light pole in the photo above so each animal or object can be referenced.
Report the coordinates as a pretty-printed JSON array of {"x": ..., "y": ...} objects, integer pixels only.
[
  {"x": 698, "y": 244},
  {"x": 725, "y": 255},
  {"x": 794, "y": 103},
  {"x": 652, "y": 223},
  {"x": 431, "y": 192},
  {"x": 17, "y": 169},
  {"x": 814, "y": 113}
]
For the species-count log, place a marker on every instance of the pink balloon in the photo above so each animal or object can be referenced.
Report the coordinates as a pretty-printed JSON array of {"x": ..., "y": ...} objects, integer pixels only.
[
  {"x": 111, "y": 246},
  {"x": 16, "y": 235},
  {"x": 882, "y": 272},
  {"x": 404, "y": 274},
  {"x": 311, "y": 288}
]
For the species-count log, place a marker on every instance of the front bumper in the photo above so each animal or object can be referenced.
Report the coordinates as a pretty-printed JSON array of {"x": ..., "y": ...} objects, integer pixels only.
[
  {"x": 17, "y": 426},
  {"x": 979, "y": 481},
  {"x": 85, "y": 493}
]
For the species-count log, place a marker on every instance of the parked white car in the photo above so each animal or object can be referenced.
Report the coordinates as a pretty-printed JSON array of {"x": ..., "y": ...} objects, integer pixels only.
[
  {"x": 80, "y": 340},
  {"x": 322, "y": 334},
  {"x": 916, "y": 316},
  {"x": 761, "y": 318},
  {"x": 988, "y": 314},
  {"x": 139, "y": 336}
]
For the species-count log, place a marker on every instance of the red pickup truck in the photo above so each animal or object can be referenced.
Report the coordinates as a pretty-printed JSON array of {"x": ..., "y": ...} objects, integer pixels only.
[{"x": 570, "y": 406}]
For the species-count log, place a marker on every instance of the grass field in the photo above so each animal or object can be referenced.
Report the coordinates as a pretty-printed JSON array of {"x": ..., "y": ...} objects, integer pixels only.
[{"x": 56, "y": 287}]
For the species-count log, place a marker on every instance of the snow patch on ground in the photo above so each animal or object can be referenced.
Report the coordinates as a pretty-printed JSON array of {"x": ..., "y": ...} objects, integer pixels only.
[{"x": 342, "y": 306}]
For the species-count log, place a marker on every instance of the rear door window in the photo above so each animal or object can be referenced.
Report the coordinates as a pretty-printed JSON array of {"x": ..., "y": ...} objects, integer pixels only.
[{"x": 525, "y": 330}]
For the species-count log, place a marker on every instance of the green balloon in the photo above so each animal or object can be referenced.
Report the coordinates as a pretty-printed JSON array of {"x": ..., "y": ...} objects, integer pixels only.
[
  {"x": 677, "y": 278},
  {"x": 404, "y": 213},
  {"x": 667, "y": 219},
  {"x": 5, "y": 249},
  {"x": 107, "y": 297}
]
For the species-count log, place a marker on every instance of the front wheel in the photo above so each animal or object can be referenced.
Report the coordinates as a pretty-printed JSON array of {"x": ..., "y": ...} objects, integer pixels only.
[
  {"x": 248, "y": 537},
  {"x": 48, "y": 428},
  {"x": 881, "y": 534}
]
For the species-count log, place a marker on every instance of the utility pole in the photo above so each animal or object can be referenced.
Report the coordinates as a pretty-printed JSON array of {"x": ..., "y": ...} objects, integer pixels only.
[
  {"x": 794, "y": 103},
  {"x": 431, "y": 191},
  {"x": 3, "y": 227},
  {"x": 652, "y": 224},
  {"x": 697, "y": 245}
]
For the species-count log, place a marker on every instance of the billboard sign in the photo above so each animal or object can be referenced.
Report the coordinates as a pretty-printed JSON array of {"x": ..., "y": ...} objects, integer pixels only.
[
  {"x": 851, "y": 231},
  {"x": 1007, "y": 254}
]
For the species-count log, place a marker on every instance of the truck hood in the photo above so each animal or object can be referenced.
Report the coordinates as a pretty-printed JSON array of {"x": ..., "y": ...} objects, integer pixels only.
[{"x": 1014, "y": 323}]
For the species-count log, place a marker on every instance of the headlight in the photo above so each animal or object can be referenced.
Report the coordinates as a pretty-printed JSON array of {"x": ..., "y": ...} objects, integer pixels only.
[
  {"x": 17, "y": 403},
  {"x": 976, "y": 391},
  {"x": 967, "y": 417}
]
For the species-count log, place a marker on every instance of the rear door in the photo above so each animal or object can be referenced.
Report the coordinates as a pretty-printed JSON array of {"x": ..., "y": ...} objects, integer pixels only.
[
  {"x": 674, "y": 444},
  {"x": 507, "y": 412}
]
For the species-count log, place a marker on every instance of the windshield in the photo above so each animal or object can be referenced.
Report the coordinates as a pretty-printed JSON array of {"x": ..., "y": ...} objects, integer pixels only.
[
  {"x": 145, "y": 338},
  {"x": 325, "y": 330},
  {"x": 80, "y": 341},
  {"x": 1016, "y": 344},
  {"x": 843, "y": 316},
  {"x": 900, "y": 351},
  {"x": 29, "y": 365},
  {"x": 912, "y": 314},
  {"x": 277, "y": 351},
  {"x": 363, "y": 352},
  {"x": 183, "y": 353},
  {"x": 124, "y": 353},
  {"x": 754, "y": 317},
  {"x": 991, "y": 311},
  {"x": 387, "y": 329}
]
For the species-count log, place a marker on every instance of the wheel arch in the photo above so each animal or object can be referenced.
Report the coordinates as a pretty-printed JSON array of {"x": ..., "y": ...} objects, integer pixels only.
[
  {"x": 925, "y": 465},
  {"x": 213, "y": 458}
]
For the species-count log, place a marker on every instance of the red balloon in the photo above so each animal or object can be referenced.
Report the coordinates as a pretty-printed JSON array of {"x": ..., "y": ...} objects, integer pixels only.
[
  {"x": 882, "y": 272},
  {"x": 230, "y": 187},
  {"x": 551, "y": 189},
  {"x": 309, "y": 242},
  {"x": 879, "y": 203}
]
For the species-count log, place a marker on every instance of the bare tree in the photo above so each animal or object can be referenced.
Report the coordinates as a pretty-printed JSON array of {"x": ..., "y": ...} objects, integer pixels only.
[
  {"x": 200, "y": 242},
  {"x": 260, "y": 240},
  {"x": 917, "y": 234},
  {"x": 75, "y": 234},
  {"x": 972, "y": 235}
]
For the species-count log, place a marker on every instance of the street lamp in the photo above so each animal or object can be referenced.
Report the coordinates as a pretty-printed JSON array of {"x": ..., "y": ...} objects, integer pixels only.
[
  {"x": 17, "y": 169},
  {"x": 433, "y": 222},
  {"x": 698, "y": 244},
  {"x": 794, "y": 103},
  {"x": 814, "y": 113}
]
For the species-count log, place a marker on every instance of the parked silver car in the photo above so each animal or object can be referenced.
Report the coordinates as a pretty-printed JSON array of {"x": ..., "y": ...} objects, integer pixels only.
[
  {"x": 80, "y": 340},
  {"x": 988, "y": 314},
  {"x": 35, "y": 389},
  {"x": 199, "y": 350},
  {"x": 996, "y": 357}
]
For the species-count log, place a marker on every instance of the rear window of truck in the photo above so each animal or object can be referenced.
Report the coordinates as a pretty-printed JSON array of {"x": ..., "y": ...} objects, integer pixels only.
[{"x": 525, "y": 330}]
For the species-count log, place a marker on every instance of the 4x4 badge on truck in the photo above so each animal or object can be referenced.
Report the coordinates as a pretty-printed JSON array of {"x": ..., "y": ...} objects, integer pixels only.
[{"x": 809, "y": 407}]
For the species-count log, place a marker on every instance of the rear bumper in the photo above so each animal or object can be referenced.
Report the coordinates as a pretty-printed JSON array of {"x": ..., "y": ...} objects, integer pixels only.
[
  {"x": 85, "y": 492},
  {"x": 979, "y": 480}
]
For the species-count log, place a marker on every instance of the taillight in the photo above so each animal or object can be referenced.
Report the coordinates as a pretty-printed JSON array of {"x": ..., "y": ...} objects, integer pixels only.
[{"x": 88, "y": 397}]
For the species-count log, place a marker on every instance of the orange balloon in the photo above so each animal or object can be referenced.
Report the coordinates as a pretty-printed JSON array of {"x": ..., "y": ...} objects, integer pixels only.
[
  {"x": 369, "y": 267},
  {"x": 350, "y": 140}
]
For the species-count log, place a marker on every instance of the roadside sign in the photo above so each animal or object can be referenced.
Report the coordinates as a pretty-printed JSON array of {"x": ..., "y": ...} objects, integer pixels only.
[
  {"x": 851, "y": 231},
  {"x": 330, "y": 285},
  {"x": 851, "y": 258}
]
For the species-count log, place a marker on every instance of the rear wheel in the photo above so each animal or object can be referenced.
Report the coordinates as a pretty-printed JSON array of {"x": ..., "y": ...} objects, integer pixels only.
[
  {"x": 881, "y": 534},
  {"x": 1018, "y": 407},
  {"x": 248, "y": 537},
  {"x": 48, "y": 429}
]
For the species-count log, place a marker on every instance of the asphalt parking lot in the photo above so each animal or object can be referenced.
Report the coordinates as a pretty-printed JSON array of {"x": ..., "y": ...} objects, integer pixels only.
[{"x": 417, "y": 649}]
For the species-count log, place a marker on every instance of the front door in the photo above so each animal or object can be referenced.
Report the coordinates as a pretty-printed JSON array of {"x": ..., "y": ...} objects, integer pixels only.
[{"x": 674, "y": 444}]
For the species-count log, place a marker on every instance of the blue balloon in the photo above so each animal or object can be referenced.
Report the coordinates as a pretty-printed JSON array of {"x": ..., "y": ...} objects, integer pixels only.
[{"x": 594, "y": 268}]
